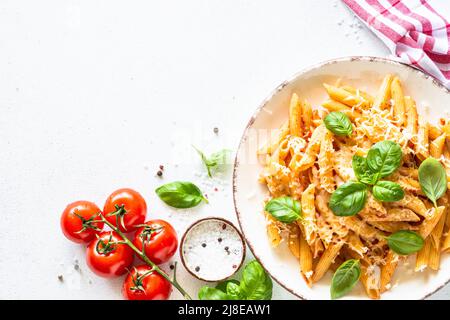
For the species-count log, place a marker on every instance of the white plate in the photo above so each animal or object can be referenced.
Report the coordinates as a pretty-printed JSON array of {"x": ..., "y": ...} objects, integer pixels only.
[{"x": 366, "y": 73}]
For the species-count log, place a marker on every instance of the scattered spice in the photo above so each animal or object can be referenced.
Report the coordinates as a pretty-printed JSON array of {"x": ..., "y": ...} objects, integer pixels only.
[
  {"x": 197, "y": 268},
  {"x": 216, "y": 130},
  {"x": 61, "y": 278},
  {"x": 224, "y": 226},
  {"x": 204, "y": 245},
  {"x": 220, "y": 239},
  {"x": 76, "y": 265},
  {"x": 161, "y": 167},
  {"x": 172, "y": 267},
  {"x": 159, "y": 173}
]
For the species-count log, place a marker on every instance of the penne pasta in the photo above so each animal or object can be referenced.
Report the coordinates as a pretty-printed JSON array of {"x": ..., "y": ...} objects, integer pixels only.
[
  {"x": 399, "y": 102},
  {"x": 387, "y": 271},
  {"x": 381, "y": 100},
  {"x": 294, "y": 240},
  {"x": 326, "y": 260},
  {"x": 370, "y": 282},
  {"x": 428, "y": 224},
  {"x": 422, "y": 146},
  {"x": 295, "y": 117},
  {"x": 344, "y": 96},
  {"x": 422, "y": 256},
  {"x": 273, "y": 231},
  {"x": 359, "y": 93},
  {"x": 437, "y": 146},
  {"x": 434, "y": 132},
  {"x": 306, "y": 260},
  {"x": 312, "y": 151},
  {"x": 307, "y": 116},
  {"x": 411, "y": 118},
  {"x": 332, "y": 105},
  {"x": 325, "y": 162}
]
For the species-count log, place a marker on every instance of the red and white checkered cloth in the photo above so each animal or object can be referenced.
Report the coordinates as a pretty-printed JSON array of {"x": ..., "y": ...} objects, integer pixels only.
[{"x": 416, "y": 31}]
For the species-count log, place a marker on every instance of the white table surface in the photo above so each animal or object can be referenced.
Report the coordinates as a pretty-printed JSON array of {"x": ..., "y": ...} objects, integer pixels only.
[{"x": 95, "y": 95}]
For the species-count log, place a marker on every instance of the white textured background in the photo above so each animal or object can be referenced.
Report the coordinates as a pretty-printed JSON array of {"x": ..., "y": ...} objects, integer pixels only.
[{"x": 94, "y": 95}]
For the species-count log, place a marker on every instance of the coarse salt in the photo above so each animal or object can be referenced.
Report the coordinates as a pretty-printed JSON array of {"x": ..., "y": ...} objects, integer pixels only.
[{"x": 212, "y": 249}]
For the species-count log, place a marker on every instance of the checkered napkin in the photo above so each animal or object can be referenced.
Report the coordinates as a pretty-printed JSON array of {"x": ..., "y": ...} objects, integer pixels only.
[{"x": 417, "y": 32}]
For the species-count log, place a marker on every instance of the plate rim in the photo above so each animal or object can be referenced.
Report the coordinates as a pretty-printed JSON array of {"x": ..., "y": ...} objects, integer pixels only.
[{"x": 271, "y": 95}]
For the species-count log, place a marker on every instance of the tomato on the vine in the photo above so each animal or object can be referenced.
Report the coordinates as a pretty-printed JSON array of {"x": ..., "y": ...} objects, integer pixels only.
[
  {"x": 159, "y": 240},
  {"x": 144, "y": 284},
  {"x": 80, "y": 221},
  {"x": 125, "y": 208},
  {"x": 108, "y": 256}
]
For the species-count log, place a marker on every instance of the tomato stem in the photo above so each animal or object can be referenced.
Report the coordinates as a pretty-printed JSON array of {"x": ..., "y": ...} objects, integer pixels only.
[{"x": 142, "y": 255}]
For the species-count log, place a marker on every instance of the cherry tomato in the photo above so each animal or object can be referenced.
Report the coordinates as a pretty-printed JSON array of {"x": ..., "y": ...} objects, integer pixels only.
[
  {"x": 160, "y": 240},
  {"x": 77, "y": 221},
  {"x": 127, "y": 207},
  {"x": 144, "y": 284},
  {"x": 108, "y": 258}
]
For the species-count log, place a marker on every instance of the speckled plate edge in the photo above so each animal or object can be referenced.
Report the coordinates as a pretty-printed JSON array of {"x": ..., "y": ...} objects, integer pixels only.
[{"x": 270, "y": 96}]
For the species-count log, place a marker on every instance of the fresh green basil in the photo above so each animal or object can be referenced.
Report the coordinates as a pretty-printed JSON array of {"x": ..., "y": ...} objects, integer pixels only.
[
  {"x": 348, "y": 199},
  {"x": 362, "y": 171},
  {"x": 388, "y": 191},
  {"x": 345, "y": 278},
  {"x": 405, "y": 242},
  {"x": 284, "y": 209},
  {"x": 180, "y": 194},
  {"x": 432, "y": 179},
  {"x": 223, "y": 285},
  {"x": 215, "y": 160},
  {"x": 338, "y": 123},
  {"x": 384, "y": 158},
  {"x": 255, "y": 284},
  {"x": 234, "y": 291},
  {"x": 208, "y": 293}
]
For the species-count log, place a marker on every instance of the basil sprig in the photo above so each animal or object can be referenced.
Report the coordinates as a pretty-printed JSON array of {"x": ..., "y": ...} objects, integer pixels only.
[
  {"x": 348, "y": 199},
  {"x": 432, "y": 179},
  {"x": 388, "y": 191},
  {"x": 180, "y": 194},
  {"x": 405, "y": 242},
  {"x": 215, "y": 160},
  {"x": 284, "y": 209},
  {"x": 255, "y": 284},
  {"x": 345, "y": 278},
  {"x": 338, "y": 123},
  {"x": 382, "y": 160},
  {"x": 362, "y": 171}
]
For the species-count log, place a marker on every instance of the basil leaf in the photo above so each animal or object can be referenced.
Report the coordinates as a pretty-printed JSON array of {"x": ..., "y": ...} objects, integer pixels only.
[
  {"x": 208, "y": 293},
  {"x": 215, "y": 160},
  {"x": 338, "y": 123},
  {"x": 345, "y": 278},
  {"x": 405, "y": 242},
  {"x": 384, "y": 158},
  {"x": 222, "y": 286},
  {"x": 362, "y": 171},
  {"x": 234, "y": 291},
  {"x": 388, "y": 191},
  {"x": 256, "y": 283},
  {"x": 180, "y": 194},
  {"x": 348, "y": 199},
  {"x": 284, "y": 209},
  {"x": 432, "y": 179}
]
